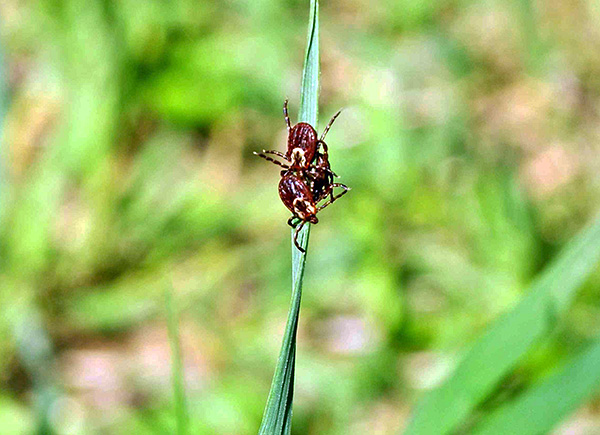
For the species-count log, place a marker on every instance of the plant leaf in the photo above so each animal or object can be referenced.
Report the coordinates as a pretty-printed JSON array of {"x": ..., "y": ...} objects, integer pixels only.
[
  {"x": 509, "y": 338},
  {"x": 277, "y": 418},
  {"x": 544, "y": 405},
  {"x": 309, "y": 96}
]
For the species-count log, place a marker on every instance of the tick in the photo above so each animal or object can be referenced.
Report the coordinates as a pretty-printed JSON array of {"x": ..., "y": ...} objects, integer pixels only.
[
  {"x": 302, "y": 144},
  {"x": 298, "y": 197}
]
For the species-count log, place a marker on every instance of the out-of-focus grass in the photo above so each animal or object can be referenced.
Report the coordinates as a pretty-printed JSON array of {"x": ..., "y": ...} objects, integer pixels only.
[
  {"x": 540, "y": 408},
  {"x": 469, "y": 138},
  {"x": 508, "y": 340}
]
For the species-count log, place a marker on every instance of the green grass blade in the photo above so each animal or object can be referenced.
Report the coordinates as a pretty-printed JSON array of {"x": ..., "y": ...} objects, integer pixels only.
[
  {"x": 181, "y": 413},
  {"x": 546, "y": 404},
  {"x": 509, "y": 338},
  {"x": 309, "y": 96},
  {"x": 277, "y": 418}
]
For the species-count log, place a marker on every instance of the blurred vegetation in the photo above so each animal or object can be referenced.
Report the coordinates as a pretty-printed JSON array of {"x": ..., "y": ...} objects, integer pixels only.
[{"x": 470, "y": 139}]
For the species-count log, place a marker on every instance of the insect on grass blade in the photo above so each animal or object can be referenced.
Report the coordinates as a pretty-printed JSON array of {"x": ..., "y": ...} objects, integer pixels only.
[{"x": 278, "y": 411}]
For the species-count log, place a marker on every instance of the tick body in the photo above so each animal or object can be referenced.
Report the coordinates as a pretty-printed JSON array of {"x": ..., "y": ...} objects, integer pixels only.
[
  {"x": 301, "y": 146},
  {"x": 297, "y": 197}
]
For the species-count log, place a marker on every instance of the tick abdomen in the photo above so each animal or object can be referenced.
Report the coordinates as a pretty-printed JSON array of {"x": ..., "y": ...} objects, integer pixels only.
[
  {"x": 302, "y": 137},
  {"x": 291, "y": 188}
]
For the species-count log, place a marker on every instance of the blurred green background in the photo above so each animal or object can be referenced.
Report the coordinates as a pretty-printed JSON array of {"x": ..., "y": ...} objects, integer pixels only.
[{"x": 469, "y": 137}]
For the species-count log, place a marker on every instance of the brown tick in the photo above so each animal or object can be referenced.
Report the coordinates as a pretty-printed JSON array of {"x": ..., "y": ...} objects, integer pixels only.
[
  {"x": 298, "y": 198},
  {"x": 302, "y": 144}
]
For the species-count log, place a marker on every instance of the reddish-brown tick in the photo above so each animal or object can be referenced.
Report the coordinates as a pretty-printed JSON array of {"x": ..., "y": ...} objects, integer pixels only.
[
  {"x": 298, "y": 198},
  {"x": 302, "y": 144}
]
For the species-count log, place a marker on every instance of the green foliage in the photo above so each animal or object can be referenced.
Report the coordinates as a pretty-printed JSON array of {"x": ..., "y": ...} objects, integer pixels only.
[
  {"x": 506, "y": 342},
  {"x": 545, "y": 404}
]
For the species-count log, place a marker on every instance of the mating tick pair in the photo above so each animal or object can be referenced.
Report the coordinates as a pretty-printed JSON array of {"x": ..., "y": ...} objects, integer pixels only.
[{"x": 307, "y": 178}]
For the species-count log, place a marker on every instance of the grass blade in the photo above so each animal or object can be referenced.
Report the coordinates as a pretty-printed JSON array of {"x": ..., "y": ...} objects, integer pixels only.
[
  {"x": 509, "y": 338},
  {"x": 544, "y": 405},
  {"x": 277, "y": 418},
  {"x": 309, "y": 94},
  {"x": 181, "y": 414}
]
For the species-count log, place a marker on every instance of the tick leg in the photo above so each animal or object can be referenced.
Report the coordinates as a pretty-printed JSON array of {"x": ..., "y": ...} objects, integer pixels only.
[
  {"x": 329, "y": 125},
  {"x": 328, "y": 191},
  {"x": 284, "y": 166},
  {"x": 298, "y": 228},
  {"x": 342, "y": 186},
  {"x": 325, "y": 149},
  {"x": 286, "y": 116},
  {"x": 333, "y": 198},
  {"x": 331, "y": 185},
  {"x": 330, "y": 172},
  {"x": 277, "y": 153}
]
